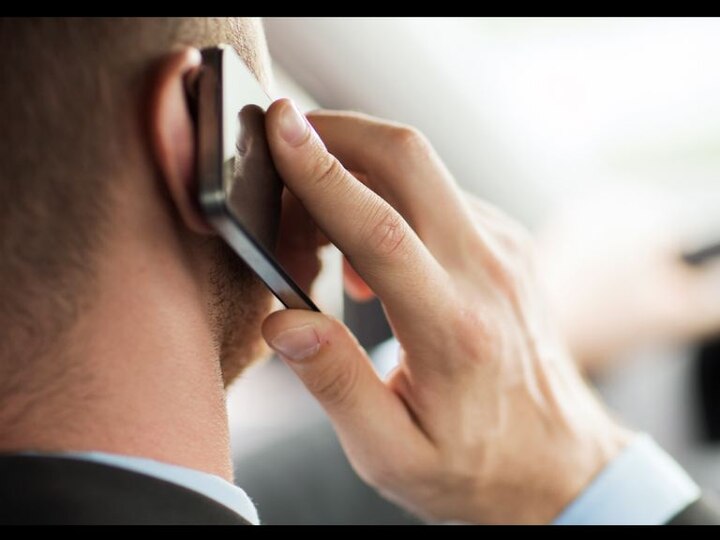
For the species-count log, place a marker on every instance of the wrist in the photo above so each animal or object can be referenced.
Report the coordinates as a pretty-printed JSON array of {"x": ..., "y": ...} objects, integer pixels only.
[{"x": 593, "y": 455}]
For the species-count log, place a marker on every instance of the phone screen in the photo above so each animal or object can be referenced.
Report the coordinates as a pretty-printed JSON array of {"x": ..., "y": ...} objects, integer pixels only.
[
  {"x": 255, "y": 191},
  {"x": 240, "y": 189}
]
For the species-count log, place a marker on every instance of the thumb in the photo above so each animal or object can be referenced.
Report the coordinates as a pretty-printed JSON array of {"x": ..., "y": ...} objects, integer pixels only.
[
  {"x": 327, "y": 358},
  {"x": 366, "y": 414}
]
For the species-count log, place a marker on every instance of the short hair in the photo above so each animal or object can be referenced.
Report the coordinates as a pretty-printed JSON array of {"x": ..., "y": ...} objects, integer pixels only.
[{"x": 68, "y": 85}]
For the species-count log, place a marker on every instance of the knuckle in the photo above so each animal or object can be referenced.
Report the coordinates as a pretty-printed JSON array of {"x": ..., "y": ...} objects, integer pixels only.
[
  {"x": 474, "y": 333},
  {"x": 387, "y": 231},
  {"x": 334, "y": 383},
  {"x": 513, "y": 235},
  {"x": 408, "y": 140},
  {"x": 326, "y": 171},
  {"x": 517, "y": 257},
  {"x": 510, "y": 244},
  {"x": 471, "y": 322},
  {"x": 503, "y": 275}
]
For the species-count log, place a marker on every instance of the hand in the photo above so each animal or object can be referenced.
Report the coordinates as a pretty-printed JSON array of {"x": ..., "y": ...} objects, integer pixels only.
[
  {"x": 486, "y": 418},
  {"x": 614, "y": 277}
]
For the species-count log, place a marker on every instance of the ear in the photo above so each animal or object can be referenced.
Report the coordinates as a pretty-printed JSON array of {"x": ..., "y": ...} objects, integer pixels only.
[{"x": 172, "y": 135}]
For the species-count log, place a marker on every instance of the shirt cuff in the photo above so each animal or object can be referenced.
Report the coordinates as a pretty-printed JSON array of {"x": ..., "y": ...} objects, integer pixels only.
[{"x": 641, "y": 486}]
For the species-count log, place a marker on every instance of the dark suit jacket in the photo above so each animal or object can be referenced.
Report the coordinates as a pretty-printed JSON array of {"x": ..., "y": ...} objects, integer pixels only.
[
  {"x": 51, "y": 490},
  {"x": 705, "y": 511}
]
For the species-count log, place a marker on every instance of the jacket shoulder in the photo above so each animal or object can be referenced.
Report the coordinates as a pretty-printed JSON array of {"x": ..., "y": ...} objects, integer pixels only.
[{"x": 58, "y": 490}]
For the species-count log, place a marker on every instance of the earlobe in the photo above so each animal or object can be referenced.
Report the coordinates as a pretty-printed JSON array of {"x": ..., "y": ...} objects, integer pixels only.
[{"x": 173, "y": 135}]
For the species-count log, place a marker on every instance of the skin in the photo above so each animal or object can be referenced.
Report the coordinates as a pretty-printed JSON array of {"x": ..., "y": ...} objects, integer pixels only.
[
  {"x": 175, "y": 318},
  {"x": 480, "y": 379},
  {"x": 486, "y": 419}
]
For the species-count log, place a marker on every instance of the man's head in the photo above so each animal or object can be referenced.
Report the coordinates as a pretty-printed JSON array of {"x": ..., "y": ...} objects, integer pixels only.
[{"x": 96, "y": 164}]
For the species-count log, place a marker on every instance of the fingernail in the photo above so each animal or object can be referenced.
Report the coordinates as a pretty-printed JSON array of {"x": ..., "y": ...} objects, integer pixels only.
[
  {"x": 297, "y": 343},
  {"x": 293, "y": 126}
]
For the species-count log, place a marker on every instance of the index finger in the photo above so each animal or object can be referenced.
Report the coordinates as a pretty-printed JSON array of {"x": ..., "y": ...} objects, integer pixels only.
[
  {"x": 399, "y": 164},
  {"x": 376, "y": 239}
]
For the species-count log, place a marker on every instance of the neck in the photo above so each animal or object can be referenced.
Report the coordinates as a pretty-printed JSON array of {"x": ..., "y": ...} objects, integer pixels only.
[{"x": 139, "y": 377}]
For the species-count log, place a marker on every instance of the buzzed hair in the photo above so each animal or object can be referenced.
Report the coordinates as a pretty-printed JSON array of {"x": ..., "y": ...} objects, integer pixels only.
[{"x": 66, "y": 88}]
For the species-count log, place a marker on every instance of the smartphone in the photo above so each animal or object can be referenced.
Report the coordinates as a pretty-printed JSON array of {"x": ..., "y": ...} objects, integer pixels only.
[{"x": 240, "y": 191}]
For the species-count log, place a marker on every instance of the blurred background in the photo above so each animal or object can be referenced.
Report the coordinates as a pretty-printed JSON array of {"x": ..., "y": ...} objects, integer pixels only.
[{"x": 600, "y": 135}]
